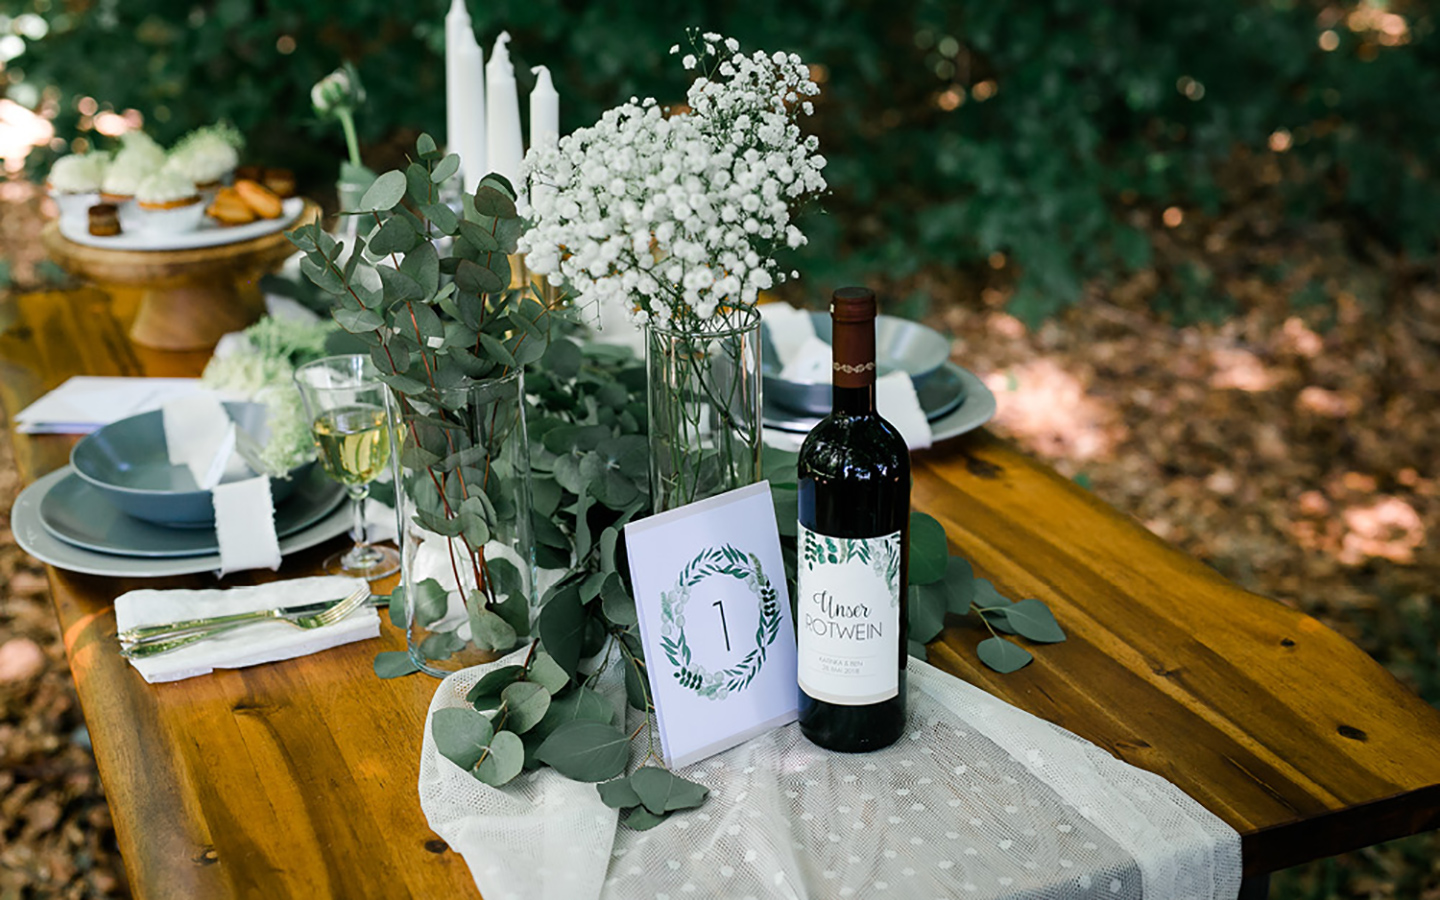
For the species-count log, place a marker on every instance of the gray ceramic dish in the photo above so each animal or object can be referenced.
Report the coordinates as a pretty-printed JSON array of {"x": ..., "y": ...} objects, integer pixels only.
[
  {"x": 128, "y": 463},
  {"x": 899, "y": 344}
]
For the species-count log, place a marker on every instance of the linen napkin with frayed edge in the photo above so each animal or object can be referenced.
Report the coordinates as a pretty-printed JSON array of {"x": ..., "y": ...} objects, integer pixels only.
[{"x": 250, "y": 645}]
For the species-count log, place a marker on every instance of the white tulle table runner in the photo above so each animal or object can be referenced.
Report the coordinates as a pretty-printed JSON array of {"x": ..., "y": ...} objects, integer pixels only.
[{"x": 979, "y": 799}]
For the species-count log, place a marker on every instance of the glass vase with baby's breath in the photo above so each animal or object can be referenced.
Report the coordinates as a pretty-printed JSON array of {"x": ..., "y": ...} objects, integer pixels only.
[
  {"x": 679, "y": 218},
  {"x": 450, "y": 338}
]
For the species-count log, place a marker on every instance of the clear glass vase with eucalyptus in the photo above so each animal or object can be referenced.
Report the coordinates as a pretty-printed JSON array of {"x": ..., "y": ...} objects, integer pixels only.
[
  {"x": 463, "y": 503},
  {"x": 450, "y": 338},
  {"x": 703, "y": 394}
]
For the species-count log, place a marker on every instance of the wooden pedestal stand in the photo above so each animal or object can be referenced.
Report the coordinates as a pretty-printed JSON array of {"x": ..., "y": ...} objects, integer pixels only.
[{"x": 189, "y": 298}]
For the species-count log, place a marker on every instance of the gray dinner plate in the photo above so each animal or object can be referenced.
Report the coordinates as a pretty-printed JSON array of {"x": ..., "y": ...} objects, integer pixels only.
[
  {"x": 78, "y": 513},
  {"x": 940, "y": 393},
  {"x": 35, "y": 539}
]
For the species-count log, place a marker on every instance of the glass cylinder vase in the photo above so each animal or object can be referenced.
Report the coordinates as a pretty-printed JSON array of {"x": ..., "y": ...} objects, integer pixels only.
[
  {"x": 463, "y": 508},
  {"x": 703, "y": 393}
]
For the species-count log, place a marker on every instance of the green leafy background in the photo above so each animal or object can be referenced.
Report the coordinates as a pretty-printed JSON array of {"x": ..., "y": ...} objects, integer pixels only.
[{"x": 1075, "y": 121}]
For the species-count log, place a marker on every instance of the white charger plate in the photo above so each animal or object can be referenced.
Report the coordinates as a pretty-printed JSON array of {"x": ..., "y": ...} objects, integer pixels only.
[
  {"x": 33, "y": 538},
  {"x": 209, "y": 234}
]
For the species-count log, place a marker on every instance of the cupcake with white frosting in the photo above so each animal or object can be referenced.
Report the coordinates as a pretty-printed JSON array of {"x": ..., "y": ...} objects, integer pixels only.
[
  {"x": 167, "y": 202},
  {"x": 74, "y": 183},
  {"x": 125, "y": 172},
  {"x": 207, "y": 156}
]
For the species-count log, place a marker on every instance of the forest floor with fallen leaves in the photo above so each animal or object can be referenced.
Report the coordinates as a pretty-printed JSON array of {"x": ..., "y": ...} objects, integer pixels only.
[{"x": 1291, "y": 446}]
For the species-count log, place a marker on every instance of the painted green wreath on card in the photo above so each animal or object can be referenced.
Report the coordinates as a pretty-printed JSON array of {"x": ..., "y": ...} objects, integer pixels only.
[
  {"x": 723, "y": 560},
  {"x": 881, "y": 554}
]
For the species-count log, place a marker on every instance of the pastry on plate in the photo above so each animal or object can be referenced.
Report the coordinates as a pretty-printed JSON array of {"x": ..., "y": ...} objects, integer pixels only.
[
  {"x": 74, "y": 184},
  {"x": 207, "y": 156},
  {"x": 168, "y": 203},
  {"x": 259, "y": 198},
  {"x": 228, "y": 209},
  {"x": 281, "y": 181},
  {"x": 104, "y": 220}
]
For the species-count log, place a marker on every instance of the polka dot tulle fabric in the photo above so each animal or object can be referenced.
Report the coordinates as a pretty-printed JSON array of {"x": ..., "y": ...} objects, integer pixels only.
[{"x": 978, "y": 799}]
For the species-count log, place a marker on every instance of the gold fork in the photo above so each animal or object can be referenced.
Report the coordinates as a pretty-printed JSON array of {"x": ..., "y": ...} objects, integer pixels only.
[{"x": 150, "y": 640}]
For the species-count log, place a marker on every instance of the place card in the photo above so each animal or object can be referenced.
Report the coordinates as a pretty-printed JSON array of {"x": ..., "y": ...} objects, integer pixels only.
[{"x": 715, "y": 622}]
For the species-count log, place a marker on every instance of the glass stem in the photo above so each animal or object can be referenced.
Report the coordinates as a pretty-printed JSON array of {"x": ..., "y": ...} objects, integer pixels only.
[{"x": 357, "y": 529}]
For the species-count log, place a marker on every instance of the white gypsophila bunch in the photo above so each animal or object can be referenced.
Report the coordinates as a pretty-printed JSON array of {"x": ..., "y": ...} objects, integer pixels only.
[{"x": 679, "y": 217}]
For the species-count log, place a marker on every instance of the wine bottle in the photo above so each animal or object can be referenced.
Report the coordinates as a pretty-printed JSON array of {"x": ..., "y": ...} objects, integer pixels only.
[{"x": 854, "y": 536}]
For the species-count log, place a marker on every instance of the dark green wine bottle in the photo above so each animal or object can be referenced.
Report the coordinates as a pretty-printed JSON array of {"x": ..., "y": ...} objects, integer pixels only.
[{"x": 854, "y": 478}]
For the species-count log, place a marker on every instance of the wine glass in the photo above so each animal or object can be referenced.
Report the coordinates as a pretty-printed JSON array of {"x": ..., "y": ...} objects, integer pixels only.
[{"x": 345, "y": 401}]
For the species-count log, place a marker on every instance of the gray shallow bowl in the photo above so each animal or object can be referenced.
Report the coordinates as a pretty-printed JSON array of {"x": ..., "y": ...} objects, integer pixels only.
[
  {"x": 899, "y": 344},
  {"x": 128, "y": 463}
]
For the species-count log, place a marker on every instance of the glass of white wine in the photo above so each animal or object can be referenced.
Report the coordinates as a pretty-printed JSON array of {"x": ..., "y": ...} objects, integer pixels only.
[{"x": 345, "y": 401}]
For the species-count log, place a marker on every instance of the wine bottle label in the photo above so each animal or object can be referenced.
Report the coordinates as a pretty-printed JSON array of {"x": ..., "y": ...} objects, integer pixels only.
[{"x": 848, "y": 616}]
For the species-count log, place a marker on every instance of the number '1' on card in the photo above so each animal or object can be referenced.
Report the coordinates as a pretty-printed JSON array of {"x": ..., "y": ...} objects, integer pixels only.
[{"x": 715, "y": 622}]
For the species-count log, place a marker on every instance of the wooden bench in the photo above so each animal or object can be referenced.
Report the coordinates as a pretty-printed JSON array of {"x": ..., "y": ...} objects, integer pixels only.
[{"x": 298, "y": 779}]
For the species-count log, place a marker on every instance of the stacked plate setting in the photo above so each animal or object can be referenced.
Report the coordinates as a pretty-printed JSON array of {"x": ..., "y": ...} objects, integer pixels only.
[
  {"x": 953, "y": 398},
  {"x": 120, "y": 507}
]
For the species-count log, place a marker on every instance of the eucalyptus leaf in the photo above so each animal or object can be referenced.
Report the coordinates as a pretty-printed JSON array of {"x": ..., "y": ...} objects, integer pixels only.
[
  {"x": 461, "y": 735},
  {"x": 583, "y": 704},
  {"x": 999, "y": 619},
  {"x": 663, "y": 791},
  {"x": 562, "y": 627},
  {"x": 388, "y": 190},
  {"x": 617, "y": 605},
  {"x": 960, "y": 585},
  {"x": 642, "y": 819},
  {"x": 1032, "y": 619},
  {"x": 487, "y": 629},
  {"x": 927, "y": 607},
  {"x": 395, "y": 236},
  {"x": 394, "y": 664},
  {"x": 547, "y": 673},
  {"x": 586, "y": 751},
  {"x": 491, "y": 202},
  {"x": 495, "y": 681},
  {"x": 917, "y": 650},
  {"x": 446, "y": 168},
  {"x": 526, "y": 703},
  {"x": 1003, "y": 656},
  {"x": 503, "y": 759},
  {"x": 618, "y": 794},
  {"x": 357, "y": 320},
  {"x": 928, "y": 549}
]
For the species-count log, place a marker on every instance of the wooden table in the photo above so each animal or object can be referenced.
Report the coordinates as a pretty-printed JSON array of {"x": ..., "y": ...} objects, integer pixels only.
[{"x": 298, "y": 779}]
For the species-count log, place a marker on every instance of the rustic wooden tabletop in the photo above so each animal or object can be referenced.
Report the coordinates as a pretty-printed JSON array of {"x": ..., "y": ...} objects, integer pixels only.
[{"x": 298, "y": 778}]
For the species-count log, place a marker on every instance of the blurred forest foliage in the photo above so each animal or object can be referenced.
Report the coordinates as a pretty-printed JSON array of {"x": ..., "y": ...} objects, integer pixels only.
[{"x": 1055, "y": 134}]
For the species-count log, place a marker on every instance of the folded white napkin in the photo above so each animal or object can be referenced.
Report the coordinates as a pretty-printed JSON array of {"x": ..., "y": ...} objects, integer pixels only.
[
  {"x": 86, "y": 402},
  {"x": 895, "y": 399},
  {"x": 261, "y": 642},
  {"x": 789, "y": 328},
  {"x": 245, "y": 525},
  {"x": 199, "y": 435},
  {"x": 810, "y": 363}
]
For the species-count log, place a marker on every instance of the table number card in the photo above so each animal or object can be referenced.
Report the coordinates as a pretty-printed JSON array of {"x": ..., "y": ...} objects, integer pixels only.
[{"x": 715, "y": 621}]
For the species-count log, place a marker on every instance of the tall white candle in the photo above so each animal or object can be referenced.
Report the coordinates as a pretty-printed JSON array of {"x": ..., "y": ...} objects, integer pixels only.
[
  {"x": 472, "y": 148},
  {"x": 544, "y": 119},
  {"x": 503, "y": 142},
  {"x": 544, "y": 109},
  {"x": 457, "y": 33}
]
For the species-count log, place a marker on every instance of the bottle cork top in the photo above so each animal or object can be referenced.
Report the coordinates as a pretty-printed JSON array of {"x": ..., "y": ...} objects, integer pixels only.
[{"x": 853, "y": 304}]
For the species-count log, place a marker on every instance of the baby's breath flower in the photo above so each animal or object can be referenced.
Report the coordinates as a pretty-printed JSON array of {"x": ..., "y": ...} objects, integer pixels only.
[{"x": 679, "y": 218}]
